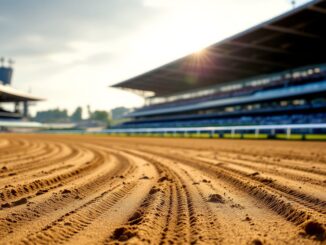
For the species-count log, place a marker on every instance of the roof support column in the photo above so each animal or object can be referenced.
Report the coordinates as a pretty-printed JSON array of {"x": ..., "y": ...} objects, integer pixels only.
[
  {"x": 16, "y": 110},
  {"x": 25, "y": 109}
]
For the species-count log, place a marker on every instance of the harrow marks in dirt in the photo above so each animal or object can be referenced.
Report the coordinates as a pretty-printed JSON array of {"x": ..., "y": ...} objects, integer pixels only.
[{"x": 88, "y": 189}]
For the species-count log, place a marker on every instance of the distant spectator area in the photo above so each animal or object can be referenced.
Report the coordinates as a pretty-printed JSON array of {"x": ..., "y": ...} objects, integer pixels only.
[
  {"x": 284, "y": 81},
  {"x": 290, "y": 97}
]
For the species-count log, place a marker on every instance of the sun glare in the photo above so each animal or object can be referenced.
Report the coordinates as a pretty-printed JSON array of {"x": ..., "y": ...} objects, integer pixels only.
[
  {"x": 199, "y": 52},
  {"x": 185, "y": 31}
]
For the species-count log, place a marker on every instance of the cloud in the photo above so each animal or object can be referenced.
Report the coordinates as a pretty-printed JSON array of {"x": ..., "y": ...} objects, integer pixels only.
[{"x": 37, "y": 26}]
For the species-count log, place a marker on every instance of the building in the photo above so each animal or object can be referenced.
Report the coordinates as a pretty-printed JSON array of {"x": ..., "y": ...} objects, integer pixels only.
[
  {"x": 271, "y": 74},
  {"x": 14, "y": 104}
]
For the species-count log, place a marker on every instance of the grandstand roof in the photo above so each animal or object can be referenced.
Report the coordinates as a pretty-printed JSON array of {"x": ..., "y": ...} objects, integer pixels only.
[
  {"x": 10, "y": 94},
  {"x": 296, "y": 38}
]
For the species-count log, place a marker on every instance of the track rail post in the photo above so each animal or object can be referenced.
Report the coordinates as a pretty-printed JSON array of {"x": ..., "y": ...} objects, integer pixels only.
[{"x": 288, "y": 133}]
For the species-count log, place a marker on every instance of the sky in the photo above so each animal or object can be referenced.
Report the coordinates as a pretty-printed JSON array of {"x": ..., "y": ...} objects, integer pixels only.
[{"x": 70, "y": 51}]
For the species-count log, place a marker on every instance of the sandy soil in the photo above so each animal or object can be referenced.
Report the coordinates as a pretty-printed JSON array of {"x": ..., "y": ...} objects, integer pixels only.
[{"x": 97, "y": 189}]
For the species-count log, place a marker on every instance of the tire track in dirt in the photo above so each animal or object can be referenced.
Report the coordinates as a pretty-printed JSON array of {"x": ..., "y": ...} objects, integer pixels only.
[
  {"x": 300, "y": 166},
  {"x": 42, "y": 185},
  {"x": 69, "y": 224},
  {"x": 273, "y": 184},
  {"x": 292, "y": 210},
  {"x": 169, "y": 213},
  {"x": 56, "y": 201},
  {"x": 270, "y": 181},
  {"x": 111, "y": 186},
  {"x": 297, "y": 175}
]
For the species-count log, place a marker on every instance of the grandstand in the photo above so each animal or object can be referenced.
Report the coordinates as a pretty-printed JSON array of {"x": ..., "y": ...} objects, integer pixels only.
[
  {"x": 14, "y": 104},
  {"x": 271, "y": 74}
]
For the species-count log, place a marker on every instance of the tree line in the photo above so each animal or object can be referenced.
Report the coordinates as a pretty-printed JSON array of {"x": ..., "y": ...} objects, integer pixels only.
[{"x": 62, "y": 116}]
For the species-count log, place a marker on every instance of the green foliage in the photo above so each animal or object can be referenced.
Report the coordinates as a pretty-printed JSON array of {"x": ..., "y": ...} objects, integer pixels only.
[
  {"x": 119, "y": 112},
  {"x": 77, "y": 115},
  {"x": 102, "y": 116},
  {"x": 54, "y": 115},
  {"x": 61, "y": 116}
]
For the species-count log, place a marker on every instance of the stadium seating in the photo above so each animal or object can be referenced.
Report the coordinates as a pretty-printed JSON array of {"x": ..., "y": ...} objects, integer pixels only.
[
  {"x": 305, "y": 110},
  {"x": 249, "y": 87},
  {"x": 234, "y": 121},
  {"x": 5, "y": 114}
]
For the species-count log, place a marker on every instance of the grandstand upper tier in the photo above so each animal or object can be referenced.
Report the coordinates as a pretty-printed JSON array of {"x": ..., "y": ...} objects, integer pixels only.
[
  {"x": 294, "y": 39},
  {"x": 8, "y": 95},
  {"x": 12, "y": 95},
  {"x": 296, "y": 83}
]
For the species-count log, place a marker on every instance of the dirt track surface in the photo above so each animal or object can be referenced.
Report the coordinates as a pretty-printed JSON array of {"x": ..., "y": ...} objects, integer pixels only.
[{"x": 96, "y": 189}]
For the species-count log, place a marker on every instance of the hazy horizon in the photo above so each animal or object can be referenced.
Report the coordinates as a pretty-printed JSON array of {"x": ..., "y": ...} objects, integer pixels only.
[{"x": 69, "y": 52}]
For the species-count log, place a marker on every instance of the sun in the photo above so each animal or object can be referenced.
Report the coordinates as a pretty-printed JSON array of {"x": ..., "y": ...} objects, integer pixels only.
[{"x": 199, "y": 52}]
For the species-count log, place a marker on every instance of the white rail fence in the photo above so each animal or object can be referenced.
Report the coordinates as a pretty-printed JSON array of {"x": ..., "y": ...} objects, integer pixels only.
[{"x": 232, "y": 130}]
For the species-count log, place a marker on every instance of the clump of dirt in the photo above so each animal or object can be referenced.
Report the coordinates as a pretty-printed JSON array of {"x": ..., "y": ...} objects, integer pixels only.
[
  {"x": 78, "y": 197},
  {"x": 20, "y": 201},
  {"x": 122, "y": 234},
  {"x": 164, "y": 178},
  {"x": 5, "y": 205},
  {"x": 254, "y": 174},
  {"x": 136, "y": 218},
  {"x": 315, "y": 229},
  {"x": 247, "y": 219},
  {"x": 217, "y": 198},
  {"x": 267, "y": 180},
  {"x": 257, "y": 242},
  {"x": 154, "y": 190},
  {"x": 237, "y": 206},
  {"x": 66, "y": 191},
  {"x": 144, "y": 177},
  {"x": 40, "y": 192}
]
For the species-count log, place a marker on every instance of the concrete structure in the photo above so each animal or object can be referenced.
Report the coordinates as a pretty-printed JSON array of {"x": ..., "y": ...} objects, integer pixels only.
[{"x": 10, "y": 95}]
